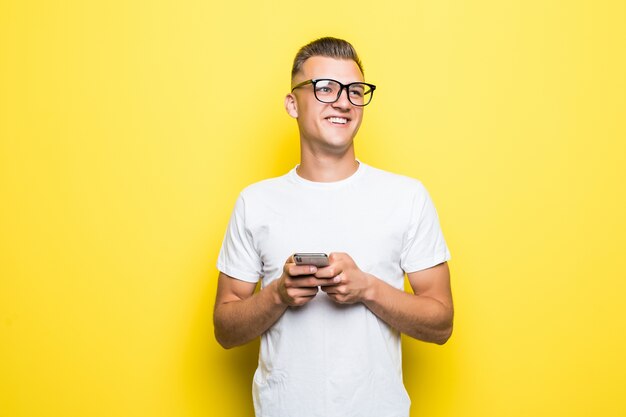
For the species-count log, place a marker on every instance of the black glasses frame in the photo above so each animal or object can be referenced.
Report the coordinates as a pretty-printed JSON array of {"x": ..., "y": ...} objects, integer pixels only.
[{"x": 314, "y": 81}]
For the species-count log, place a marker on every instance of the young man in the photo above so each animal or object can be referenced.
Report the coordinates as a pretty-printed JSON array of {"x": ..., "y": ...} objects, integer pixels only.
[{"x": 330, "y": 336}]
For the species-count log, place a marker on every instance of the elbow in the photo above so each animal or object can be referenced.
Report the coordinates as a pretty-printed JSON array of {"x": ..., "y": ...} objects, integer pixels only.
[
  {"x": 225, "y": 331},
  {"x": 223, "y": 340},
  {"x": 438, "y": 335},
  {"x": 221, "y": 334},
  {"x": 226, "y": 345},
  {"x": 443, "y": 336}
]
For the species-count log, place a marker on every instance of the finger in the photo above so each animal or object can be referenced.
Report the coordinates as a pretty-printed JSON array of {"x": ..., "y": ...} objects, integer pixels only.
[
  {"x": 303, "y": 281},
  {"x": 327, "y": 272},
  {"x": 288, "y": 262},
  {"x": 298, "y": 299},
  {"x": 331, "y": 281},
  {"x": 333, "y": 289},
  {"x": 335, "y": 256},
  {"x": 340, "y": 299},
  {"x": 297, "y": 270},
  {"x": 303, "y": 292},
  {"x": 302, "y": 296}
]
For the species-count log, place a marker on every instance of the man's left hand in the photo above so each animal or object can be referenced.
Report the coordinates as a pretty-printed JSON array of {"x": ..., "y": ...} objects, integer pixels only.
[{"x": 352, "y": 284}]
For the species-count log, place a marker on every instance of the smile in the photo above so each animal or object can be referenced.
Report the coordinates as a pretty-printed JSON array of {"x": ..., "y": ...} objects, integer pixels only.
[{"x": 337, "y": 120}]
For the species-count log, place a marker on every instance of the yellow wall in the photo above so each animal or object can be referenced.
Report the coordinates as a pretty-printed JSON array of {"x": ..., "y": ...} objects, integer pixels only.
[{"x": 128, "y": 128}]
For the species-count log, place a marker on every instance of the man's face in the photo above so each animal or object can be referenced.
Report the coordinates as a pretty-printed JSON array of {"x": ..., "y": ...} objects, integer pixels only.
[{"x": 327, "y": 126}]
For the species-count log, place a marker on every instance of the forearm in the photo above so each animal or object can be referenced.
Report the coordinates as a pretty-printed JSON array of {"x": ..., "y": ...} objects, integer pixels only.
[
  {"x": 418, "y": 316},
  {"x": 237, "y": 322}
]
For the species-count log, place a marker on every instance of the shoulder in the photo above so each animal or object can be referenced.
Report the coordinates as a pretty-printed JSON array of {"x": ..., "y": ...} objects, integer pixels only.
[
  {"x": 264, "y": 187},
  {"x": 256, "y": 199}
]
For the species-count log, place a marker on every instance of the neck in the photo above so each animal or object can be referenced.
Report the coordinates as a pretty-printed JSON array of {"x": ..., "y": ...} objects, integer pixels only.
[{"x": 327, "y": 168}]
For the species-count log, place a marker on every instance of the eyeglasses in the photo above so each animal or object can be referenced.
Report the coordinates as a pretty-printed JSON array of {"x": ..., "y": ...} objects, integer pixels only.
[{"x": 329, "y": 91}]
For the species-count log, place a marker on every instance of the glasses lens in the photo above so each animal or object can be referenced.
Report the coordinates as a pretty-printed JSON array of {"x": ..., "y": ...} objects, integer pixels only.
[
  {"x": 327, "y": 90},
  {"x": 360, "y": 94}
]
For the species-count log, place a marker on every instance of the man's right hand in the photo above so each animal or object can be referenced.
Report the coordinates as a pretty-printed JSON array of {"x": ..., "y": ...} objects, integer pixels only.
[{"x": 298, "y": 284}]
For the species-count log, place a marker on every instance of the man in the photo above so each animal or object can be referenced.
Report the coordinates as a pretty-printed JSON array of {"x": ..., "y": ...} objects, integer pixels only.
[{"x": 330, "y": 336}]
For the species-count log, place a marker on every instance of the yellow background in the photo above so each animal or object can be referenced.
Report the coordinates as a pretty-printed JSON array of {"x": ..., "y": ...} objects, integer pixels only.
[{"x": 128, "y": 129}]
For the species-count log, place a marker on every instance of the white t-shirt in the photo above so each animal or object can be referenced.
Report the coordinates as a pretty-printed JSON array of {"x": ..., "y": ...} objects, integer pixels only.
[{"x": 325, "y": 359}]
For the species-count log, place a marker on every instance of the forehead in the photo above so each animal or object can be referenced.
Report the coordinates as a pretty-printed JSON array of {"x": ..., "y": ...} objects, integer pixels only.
[{"x": 342, "y": 70}]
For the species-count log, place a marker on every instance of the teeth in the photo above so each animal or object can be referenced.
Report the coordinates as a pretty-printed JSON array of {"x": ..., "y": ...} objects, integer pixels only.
[{"x": 339, "y": 120}]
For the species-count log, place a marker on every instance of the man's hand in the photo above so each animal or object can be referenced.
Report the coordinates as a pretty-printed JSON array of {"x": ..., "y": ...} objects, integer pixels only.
[
  {"x": 348, "y": 284},
  {"x": 426, "y": 315},
  {"x": 298, "y": 284}
]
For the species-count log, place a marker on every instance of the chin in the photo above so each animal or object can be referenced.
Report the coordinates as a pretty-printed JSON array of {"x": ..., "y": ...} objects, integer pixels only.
[{"x": 338, "y": 146}]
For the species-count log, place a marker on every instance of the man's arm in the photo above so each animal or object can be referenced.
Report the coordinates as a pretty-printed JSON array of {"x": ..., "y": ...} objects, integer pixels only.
[
  {"x": 427, "y": 314},
  {"x": 240, "y": 315}
]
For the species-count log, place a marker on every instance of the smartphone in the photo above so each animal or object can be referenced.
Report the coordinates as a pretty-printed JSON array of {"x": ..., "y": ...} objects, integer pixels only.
[{"x": 317, "y": 259}]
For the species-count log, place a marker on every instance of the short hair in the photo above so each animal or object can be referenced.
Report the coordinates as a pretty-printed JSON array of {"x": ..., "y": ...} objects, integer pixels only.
[{"x": 328, "y": 47}]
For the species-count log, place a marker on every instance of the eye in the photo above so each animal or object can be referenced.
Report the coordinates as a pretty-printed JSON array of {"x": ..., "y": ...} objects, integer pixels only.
[
  {"x": 357, "y": 90},
  {"x": 326, "y": 87}
]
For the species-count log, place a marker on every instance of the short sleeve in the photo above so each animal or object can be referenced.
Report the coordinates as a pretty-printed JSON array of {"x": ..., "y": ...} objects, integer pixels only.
[
  {"x": 424, "y": 244},
  {"x": 238, "y": 257}
]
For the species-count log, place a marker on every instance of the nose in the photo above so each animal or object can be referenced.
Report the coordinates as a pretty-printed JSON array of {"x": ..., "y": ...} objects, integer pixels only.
[{"x": 342, "y": 102}]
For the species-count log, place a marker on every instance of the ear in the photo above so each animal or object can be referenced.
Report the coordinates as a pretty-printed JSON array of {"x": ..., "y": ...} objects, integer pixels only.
[{"x": 291, "y": 105}]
